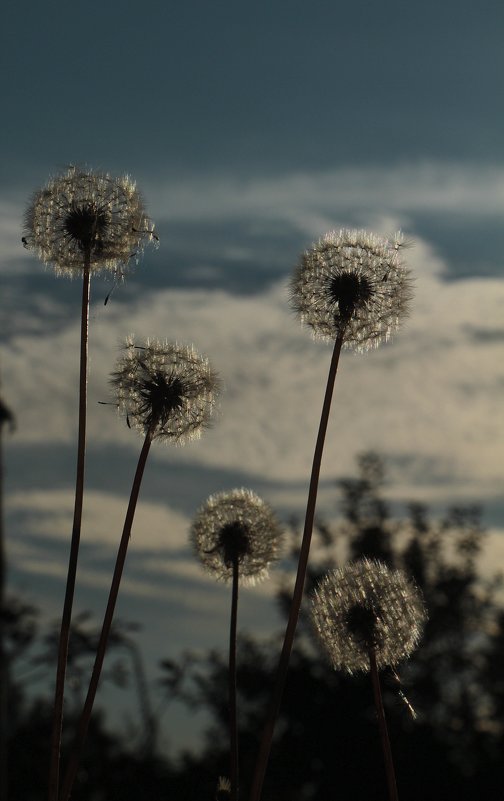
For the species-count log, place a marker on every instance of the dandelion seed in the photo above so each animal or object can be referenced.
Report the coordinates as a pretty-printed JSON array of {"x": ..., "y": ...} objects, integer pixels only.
[
  {"x": 87, "y": 215},
  {"x": 236, "y": 526},
  {"x": 167, "y": 389},
  {"x": 353, "y": 285},
  {"x": 365, "y": 607}
]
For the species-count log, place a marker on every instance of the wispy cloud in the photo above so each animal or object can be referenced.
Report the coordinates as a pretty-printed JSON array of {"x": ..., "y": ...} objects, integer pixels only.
[
  {"x": 314, "y": 199},
  {"x": 309, "y": 202}
]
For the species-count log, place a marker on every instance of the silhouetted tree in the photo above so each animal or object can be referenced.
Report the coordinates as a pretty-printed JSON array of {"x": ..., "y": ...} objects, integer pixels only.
[{"x": 113, "y": 767}]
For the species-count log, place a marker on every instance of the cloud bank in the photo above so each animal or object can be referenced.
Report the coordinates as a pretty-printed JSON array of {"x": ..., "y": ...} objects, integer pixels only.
[{"x": 430, "y": 401}]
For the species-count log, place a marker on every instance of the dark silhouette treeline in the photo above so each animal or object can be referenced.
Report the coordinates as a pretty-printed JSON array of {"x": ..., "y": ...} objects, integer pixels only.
[{"x": 445, "y": 706}]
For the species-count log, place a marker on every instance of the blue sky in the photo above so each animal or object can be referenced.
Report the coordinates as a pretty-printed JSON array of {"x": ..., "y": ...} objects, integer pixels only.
[
  {"x": 185, "y": 90},
  {"x": 251, "y": 130},
  {"x": 205, "y": 87}
]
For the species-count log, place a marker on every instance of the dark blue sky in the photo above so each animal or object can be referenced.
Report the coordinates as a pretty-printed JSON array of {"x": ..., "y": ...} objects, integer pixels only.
[{"x": 186, "y": 87}]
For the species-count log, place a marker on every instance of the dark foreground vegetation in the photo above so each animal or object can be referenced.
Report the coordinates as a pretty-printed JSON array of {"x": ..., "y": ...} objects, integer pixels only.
[{"x": 445, "y": 709}]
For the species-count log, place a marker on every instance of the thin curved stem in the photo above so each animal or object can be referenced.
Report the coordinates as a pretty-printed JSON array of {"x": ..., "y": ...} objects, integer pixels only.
[
  {"x": 107, "y": 623},
  {"x": 297, "y": 596},
  {"x": 233, "y": 723},
  {"x": 382, "y": 723},
  {"x": 64, "y": 636}
]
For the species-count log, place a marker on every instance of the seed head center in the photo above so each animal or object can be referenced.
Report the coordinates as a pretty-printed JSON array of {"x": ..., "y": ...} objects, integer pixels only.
[
  {"x": 350, "y": 291},
  {"x": 163, "y": 395},
  {"x": 86, "y": 225},
  {"x": 361, "y": 621},
  {"x": 234, "y": 542}
]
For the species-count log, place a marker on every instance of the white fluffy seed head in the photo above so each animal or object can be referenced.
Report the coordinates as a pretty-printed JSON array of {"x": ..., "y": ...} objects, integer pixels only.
[
  {"x": 165, "y": 388},
  {"x": 236, "y": 525},
  {"x": 367, "y": 605},
  {"x": 353, "y": 285},
  {"x": 85, "y": 215}
]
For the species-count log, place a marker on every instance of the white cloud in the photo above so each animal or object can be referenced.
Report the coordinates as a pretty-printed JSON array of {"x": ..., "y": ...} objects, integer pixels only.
[
  {"x": 159, "y": 545},
  {"x": 311, "y": 202},
  {"x": 430, "y": 401},
  {"x": 431, "y": 397},
  {"x": 317, "y": 201},
  {"x": 163, "y": 587}
]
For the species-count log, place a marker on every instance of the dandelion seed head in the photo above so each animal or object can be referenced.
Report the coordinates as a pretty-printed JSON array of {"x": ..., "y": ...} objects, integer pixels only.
[
  {"x": 353, "y": 285},
  {"x": 83, "y": 214},
  {"x": 367, "y": 605},
  {"x": 236, "y": 526},
  {"x": 168, "y": 389},
  {"x": 223, "y": 791}
]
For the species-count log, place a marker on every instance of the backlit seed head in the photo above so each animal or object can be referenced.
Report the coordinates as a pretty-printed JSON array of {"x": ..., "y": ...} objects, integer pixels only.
[
  {"x": 236, "y": 526},
  {"x": 223, "y": 791},
  {"x": 353, "y": 285},
  {"x": 85, "y": 215},
  {"x": 167, "y": 389},
  {"x": 367, "y": 605}
]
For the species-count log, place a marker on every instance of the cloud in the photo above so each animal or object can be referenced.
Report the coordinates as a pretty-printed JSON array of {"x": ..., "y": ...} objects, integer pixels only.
[
  {"x": 159, "y": 546},
  {"x": 434, "y": 392},
  {"x": 430, "y": 402},
  {"x": 163, "y": 585},
  {"x": 312, "y": 200}
]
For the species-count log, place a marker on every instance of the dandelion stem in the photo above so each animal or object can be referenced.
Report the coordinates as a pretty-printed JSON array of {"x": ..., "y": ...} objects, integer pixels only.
[
  {"x": 5, "y": 417},
  {"x": 64, "y": 637},
  {"x": 382, "y": 723},
  {"x": 107, "y": 621},
  {"x": 297, "y": 596},
  {"x": 233, "y": 725}
]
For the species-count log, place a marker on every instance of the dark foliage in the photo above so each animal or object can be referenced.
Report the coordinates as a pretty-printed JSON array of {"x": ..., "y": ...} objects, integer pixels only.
[
  {"x": 445, "y": 710},
  {"x": 113, "y": 768}
]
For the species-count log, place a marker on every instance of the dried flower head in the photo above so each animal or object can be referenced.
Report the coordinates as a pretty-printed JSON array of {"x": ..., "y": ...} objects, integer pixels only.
[
  {"x": 354, "y": 285},
  {"x": 87, "y": 215},
  {"x": 236, "y": 526},
  {"x": 167, "y": 389},
  {"x": 366, "y": 605},
  {"x": 223, "y": 791}
]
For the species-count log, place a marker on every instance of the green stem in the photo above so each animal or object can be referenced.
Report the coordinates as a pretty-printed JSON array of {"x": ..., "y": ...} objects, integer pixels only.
[
  {"x": 297, "y": 597},
  {"x": 107, "y": 623},
  {"x": 64, "y": 636},
  {"x": 233, "y": 724},
  {"x": 382, "y": 723}
]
